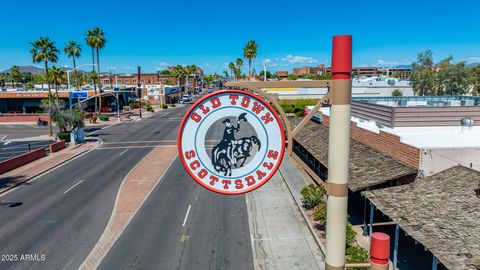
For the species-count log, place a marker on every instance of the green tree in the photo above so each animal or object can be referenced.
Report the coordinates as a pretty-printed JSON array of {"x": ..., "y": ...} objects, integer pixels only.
[
  {"x": 250, "y": 52},
  {"x": 423, "y": 75},
  {"x": 95, "y": 38},
  {"x": 453, "y": 78},
  {"x": 397, "y": 74},
  {"x": 56, "y": 76},
  {"x": 292, "y": 77},
  {"x": 190, "y": 70},
  {"x": 179, "y": 72},
  {"x": 74, "y": 50},
  {"x": 44, "y": 50},
  {"x": 397, "y": 93},
  {"x": 51, "y": 105},
  {"x": 232, "y": 67},
  {"x": 476, "y": 79},
  {"x": 68, "y": 121},
  {"x": 165, "y": 72},
  {"x": 239, "y": 63},
  {"x": 225, "y": 73},
  {"x": 16, "y": 75}
]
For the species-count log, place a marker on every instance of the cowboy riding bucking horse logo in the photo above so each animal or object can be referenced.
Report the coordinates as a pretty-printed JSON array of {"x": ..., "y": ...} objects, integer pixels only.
[{"x": 231, "y": 141}]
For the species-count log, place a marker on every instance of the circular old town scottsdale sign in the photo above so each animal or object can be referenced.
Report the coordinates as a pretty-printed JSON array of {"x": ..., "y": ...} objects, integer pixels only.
[{"x": 231, "y": 141}]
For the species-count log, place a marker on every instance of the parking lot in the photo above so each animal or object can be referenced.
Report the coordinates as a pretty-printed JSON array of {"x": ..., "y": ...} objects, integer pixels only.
[{"x": 10, "y": 149}]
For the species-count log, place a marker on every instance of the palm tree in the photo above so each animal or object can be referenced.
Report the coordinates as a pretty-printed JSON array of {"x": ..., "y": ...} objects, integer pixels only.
[
  {"x": 250, "y": 52},
  {"x": 73, "y": 49},
  {"x": 231, "y": 66},
  {"x": 16, "y": 74},
  {"x": 52, "y": 105},
  {"x": 225, "y": 73},
  {"x": 179, "y": 72},
  {"x": 56, "y": 77},
  {"x": 96, "y": 39},
  {"x": 44, "y": 50},
  {"x": 190, "y": 70},
  {"x": 239, "y": 63}
]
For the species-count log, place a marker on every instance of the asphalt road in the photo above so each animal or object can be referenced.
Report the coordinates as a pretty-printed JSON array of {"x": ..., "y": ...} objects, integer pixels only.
[
  {"x": 60, "y": 216},
  {"x": 10, "y": 132},
  {"x": 11, "y": 149},
  {"x": 214, "y": 234}
]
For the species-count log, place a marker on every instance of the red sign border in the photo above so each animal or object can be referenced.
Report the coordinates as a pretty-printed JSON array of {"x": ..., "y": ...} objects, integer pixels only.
[{"x": 185, "y": 118}]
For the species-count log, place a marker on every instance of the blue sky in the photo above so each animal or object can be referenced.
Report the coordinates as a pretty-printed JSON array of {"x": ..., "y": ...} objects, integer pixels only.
[{"x": 210, "y": 34}]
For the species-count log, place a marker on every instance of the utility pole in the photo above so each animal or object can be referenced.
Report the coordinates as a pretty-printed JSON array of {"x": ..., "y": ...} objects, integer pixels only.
[
  {"x": 139, "y": 94},
  {"x": 338, "y": 152}
]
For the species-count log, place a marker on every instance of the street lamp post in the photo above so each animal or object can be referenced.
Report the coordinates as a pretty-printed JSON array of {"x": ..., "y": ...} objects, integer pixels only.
[
  {"x": 69, "y": 86},
  {"x": 72, "y": 136},
  {"x": 264, "y": 71},
  {"x": 116, "y": 91}
]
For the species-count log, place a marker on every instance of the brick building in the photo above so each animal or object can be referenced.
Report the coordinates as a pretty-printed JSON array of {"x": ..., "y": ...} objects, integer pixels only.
[
  {"x": 365, "y": 71},
  {"x": 281, "y": 74}
]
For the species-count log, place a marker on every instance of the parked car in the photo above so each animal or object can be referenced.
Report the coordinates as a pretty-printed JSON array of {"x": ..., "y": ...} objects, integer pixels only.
[{"x": 186, "y": 98}]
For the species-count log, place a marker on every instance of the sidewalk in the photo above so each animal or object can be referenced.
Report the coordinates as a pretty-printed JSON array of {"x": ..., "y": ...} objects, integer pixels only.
[
  {"x": 281, "y": 239},
  {"x": 22, "y": 174}
]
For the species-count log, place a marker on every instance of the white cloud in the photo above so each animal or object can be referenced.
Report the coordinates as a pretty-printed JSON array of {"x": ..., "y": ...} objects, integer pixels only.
[
  {"x": 299, "y": 59},
  {"x": 473, "y": 60}
]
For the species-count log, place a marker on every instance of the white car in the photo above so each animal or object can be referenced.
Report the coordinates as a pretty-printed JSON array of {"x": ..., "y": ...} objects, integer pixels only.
[{"x": 186, "y": 99}]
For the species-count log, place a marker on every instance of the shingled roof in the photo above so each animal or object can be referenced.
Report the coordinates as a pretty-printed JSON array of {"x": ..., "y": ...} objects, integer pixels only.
[
  {"x": 441, "y": 211},
  {"x": 368, "y": 167}
]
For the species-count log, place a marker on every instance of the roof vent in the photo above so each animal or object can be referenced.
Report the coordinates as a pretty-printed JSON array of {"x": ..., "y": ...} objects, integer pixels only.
[{"x": 467, "y": 122}]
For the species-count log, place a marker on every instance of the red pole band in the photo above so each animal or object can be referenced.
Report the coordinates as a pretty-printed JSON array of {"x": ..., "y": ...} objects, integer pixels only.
[
  {"x": 342, "y": 57},
  {"x": 380, "y": 248}
]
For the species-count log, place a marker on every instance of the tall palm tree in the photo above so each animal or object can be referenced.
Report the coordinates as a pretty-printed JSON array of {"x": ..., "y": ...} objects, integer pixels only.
[
  {"x": 179, "y": 72},
  {"x": 44, "y": 50},
  {"x": 190, "y": 70},
  {"x": 16, "y": 74},
  {"x": 225, "y": 73},
  {"x": 56, "y": 77},
  {"x": 239, "y": 63},
  {"x": 231, "y": 66},
  {"x": 250, "y": 52},
  {"x": 96, "y": 39},
  {"x": 73, "y": 49}
]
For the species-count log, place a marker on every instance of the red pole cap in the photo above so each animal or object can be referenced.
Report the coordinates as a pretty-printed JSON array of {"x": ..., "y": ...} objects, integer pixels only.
[
  {"x": 379, "y": 248},
  {"x": 342, "y": 57}
]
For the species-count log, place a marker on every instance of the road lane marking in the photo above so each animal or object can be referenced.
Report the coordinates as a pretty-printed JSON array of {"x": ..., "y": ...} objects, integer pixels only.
[
  {"x": 123, "y": 152},
  {"x": 186, "y": 215},
  {"x": 3, "y": 138},
  {"x": 73, "y": 186}
]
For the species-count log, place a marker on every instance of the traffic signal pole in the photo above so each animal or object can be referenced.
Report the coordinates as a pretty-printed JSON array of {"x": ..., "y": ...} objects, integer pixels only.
[{"x": 338, "y": 152}]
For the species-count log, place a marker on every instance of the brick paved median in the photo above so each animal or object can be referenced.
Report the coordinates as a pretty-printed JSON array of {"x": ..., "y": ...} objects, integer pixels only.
[{"x": 135, "y": 189}]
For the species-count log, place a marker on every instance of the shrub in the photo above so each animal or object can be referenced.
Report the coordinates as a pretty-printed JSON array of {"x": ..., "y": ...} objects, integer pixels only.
[
  {"x": 397, "y": 93},
  {"x": 64, "y": 136},
  {"x": 312, "y": 195},
  {"x": 164, "y": 106},
  {"x": 351, "y": 234},
  {"x": 103, "y": 117},
  {"x": 357, "y": 255},
  {"x": 173, "y": 105},
  {"x": 320, "y": 213}
]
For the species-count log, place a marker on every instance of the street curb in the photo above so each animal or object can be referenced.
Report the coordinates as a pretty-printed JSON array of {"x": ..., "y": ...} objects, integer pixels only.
[
  {"x": 50, "y": 169},
  {"x": 299, "y": 205}
]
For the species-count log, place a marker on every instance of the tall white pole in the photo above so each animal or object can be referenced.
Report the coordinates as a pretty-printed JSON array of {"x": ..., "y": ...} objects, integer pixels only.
[{"x": 338, "y": 152}]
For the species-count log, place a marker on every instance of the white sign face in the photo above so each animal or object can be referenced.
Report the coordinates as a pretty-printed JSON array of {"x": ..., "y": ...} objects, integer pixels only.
[{"x": 231, "y": 141}]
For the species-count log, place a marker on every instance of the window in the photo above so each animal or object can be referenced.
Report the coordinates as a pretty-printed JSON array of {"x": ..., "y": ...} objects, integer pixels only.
[
  {"x": 134, "y": 80},
  {"x": 127, "y": 80},
  {"x": 142, "y": 80},
  {"x": 106, "y": 81}
]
